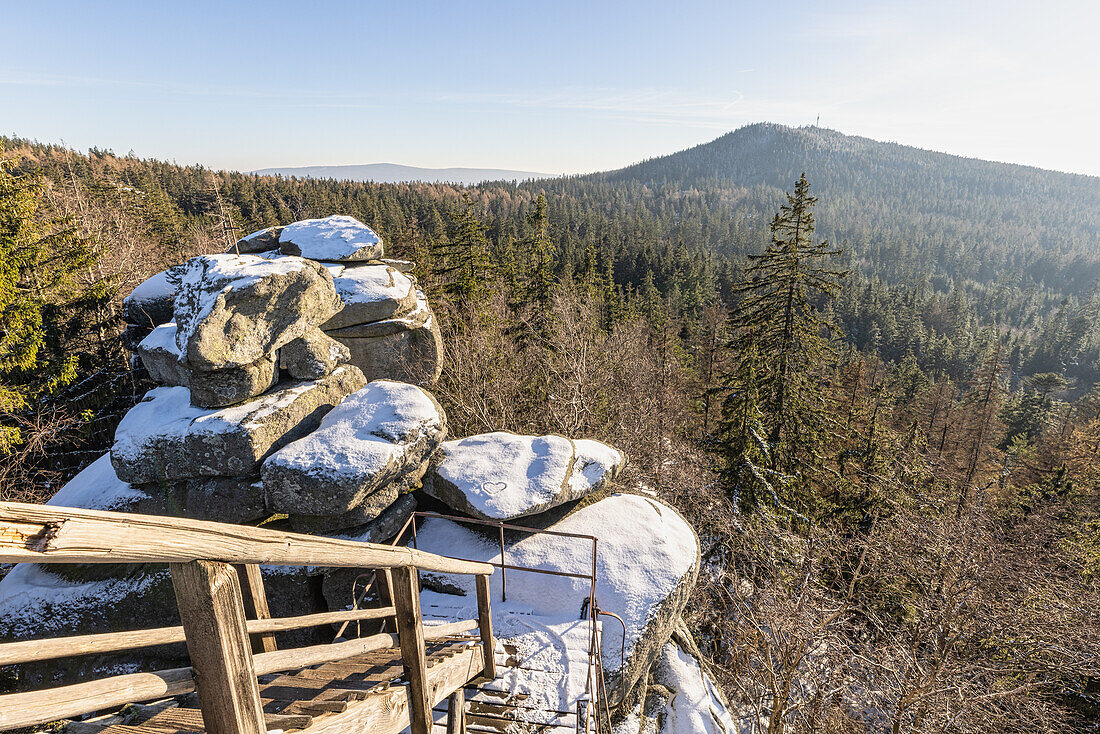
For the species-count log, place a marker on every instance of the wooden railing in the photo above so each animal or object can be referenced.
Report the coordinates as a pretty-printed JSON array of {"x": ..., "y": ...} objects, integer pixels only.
[{"x": 215, "y": 575}]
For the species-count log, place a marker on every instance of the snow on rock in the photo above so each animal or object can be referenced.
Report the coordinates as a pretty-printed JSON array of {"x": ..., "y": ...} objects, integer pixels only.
[
  {"x": 647, "y": 562},
  {"x": 166, "y": 438},
  {"x": 161, "y": 356},
  {"x": 377, "y": 435},
  {"x": 232, "y": 310},
  {"x": 595, "y": 464},
  {"x": 502, "y": 476},
  {"x": 337, "y": 238},
  {"x": 151, "y": 302},
  {"x": 371, "y": 293},
  {"x": 689, "y": 703},
  {"x": 37, "y": 603},
  {"x": 97, "y": 487}
]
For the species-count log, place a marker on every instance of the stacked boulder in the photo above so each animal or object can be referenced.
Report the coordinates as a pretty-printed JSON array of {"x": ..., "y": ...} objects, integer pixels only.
[
  {"x": 386, "y": 323},
  {"x": 259, "y": 416}
]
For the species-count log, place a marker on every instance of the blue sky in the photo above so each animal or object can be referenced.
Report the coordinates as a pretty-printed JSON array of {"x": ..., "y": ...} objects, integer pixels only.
[{"x": 545, "y": 86}]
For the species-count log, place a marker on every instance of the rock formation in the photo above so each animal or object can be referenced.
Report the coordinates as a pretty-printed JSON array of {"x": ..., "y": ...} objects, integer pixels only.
[{"x": 294, "y": 376}]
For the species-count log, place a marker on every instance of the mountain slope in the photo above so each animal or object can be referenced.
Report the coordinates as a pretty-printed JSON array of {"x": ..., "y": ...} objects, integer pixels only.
[
  {"x": 1044, "y": 222},
  {"x": 394, "y": 173}
]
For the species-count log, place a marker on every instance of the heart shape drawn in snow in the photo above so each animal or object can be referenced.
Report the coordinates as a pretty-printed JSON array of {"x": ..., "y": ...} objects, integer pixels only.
[{"x": 493, "y": 487}]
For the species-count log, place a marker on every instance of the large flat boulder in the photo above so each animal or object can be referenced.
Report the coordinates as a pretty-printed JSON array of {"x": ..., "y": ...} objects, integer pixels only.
[
  {"x": 503, "y": 476},
  {"x": 378, "y": 505},
  {"x": 370, "y": 293},
  {"x": 647, "y": 564},
  {"x": 376, "y": 436},
  {"x": 165, "y": 438},
  {"x": 407, "y": 348},
  {"x": 337, "y": 238},
  {"x": 232, "y": 310}
]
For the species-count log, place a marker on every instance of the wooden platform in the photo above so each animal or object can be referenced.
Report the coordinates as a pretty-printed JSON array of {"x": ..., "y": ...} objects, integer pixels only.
[{"x": 365, "y": 693}]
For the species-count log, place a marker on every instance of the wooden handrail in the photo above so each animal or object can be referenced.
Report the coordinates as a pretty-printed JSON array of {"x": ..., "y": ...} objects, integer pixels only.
[
  {"x": 48, "y": 534},
  {"x": 29, "y": 651},
  {"x": 51, "y": 704}
]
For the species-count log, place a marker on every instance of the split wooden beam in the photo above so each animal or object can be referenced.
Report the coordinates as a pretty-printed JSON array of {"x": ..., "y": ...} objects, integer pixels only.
[
  {"x": 208, "y": 594},
  {"x": 49, "y": 534}
]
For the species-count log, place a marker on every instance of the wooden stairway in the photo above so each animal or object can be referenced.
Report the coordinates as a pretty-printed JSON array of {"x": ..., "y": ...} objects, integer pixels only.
[
  {"x": 366, "y": 692},
  {"x": 381, "y": 683}
]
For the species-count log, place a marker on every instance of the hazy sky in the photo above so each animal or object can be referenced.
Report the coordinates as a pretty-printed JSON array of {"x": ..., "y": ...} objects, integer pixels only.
[{"x": 546, "y": 86}]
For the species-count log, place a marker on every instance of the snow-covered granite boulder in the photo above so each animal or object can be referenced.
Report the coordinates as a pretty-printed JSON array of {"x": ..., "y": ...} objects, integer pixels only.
[
  {"x": 313, "y": 355},
  {"x": 263, "y": 240},
  {"x": 407, "y": 348},
  {"x": 647, "y": 564},
  {"x": 151, "y": 302},
  {"x": 165, "y": 438},
  {"x": 370, "y": 293},
  {"x": 232, "y": 310},
  {"x": 502, "y": 476},
  {"x": 160, "y": 354},
  {"x": 337, "y": 238},
  {"x": 379, "y": 434}
]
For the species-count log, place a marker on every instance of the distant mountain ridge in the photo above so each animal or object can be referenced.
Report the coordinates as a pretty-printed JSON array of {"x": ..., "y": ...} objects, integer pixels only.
[
  {"x": 395, "y": 173},
  {"x": 949, "y": 216}
]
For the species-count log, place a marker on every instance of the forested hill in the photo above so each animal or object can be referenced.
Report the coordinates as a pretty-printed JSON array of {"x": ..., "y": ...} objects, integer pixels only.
[{"x": 948, "y": 215}]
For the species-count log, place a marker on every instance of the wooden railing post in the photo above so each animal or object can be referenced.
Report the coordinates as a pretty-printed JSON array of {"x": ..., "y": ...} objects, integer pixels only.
[
  {"x": 410, "y": 634},
  {"x": 456, "y": 713},
  {"x": 255, "y": 604},
  {"x": 212, "y": 611},
  {"x": 485, "y": 623}
]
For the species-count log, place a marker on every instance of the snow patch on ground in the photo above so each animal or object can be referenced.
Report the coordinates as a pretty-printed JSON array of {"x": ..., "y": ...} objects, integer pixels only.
[
  {"x": 644, "y": 550},
  {"x": 337, "y": 237}
]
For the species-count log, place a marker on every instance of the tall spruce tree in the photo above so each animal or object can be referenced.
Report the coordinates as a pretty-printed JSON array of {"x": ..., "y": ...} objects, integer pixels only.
[
  {"x": 40, "y": 299},
  {"x": 781, "y": 340},
  {"x": 540, "y": 256},
  {"x": 462, "y": 262}
]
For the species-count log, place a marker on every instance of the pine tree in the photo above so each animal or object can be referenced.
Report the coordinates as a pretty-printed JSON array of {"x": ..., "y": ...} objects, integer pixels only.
[
  {"x": 38, "y": 295},
  {"x": 778, "y": 327},
  {"x": 540, "y": 253},
  {"x": 462, "y": 261}
]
